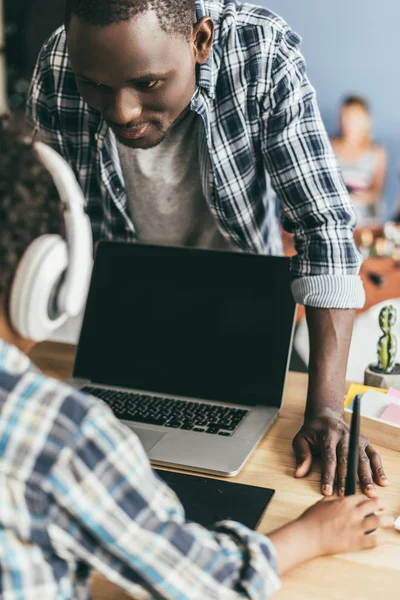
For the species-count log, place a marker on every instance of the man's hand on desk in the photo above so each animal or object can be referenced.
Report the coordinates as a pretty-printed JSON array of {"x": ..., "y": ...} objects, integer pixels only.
[{"x": 326, "y": 434}]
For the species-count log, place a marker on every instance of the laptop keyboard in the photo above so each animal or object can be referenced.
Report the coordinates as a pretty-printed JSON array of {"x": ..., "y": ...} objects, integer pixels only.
[{"x": 177, "y": 414}]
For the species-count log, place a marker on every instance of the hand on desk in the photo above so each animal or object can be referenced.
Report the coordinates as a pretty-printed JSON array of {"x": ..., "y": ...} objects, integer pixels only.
[
  {"x": 326, "y": 434},
  {"x": 332, "y": 526},
  {"x": 341, "y": 524}
]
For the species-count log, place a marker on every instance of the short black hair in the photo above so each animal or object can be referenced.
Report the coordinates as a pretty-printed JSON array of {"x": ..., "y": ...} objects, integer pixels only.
[
  {"x": 29, "y": 202},
  {"x": 176, "y": 17},
  {"x": 356, "y": 101}
]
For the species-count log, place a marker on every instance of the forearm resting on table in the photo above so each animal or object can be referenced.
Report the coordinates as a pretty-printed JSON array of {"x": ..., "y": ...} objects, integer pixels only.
[
  {"x": 330, "y": 332},
  {"x": 291, "y": 549}
]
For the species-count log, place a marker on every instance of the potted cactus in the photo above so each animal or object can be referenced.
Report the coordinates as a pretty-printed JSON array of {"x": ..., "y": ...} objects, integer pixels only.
[{"x": 386, "y": 373}]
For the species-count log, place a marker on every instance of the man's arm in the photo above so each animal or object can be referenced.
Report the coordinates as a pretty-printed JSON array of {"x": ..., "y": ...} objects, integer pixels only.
[
  {"x": 117, "y": 516},
  {"x": 325, "y": 431},
  {"x": 317, "y": 209}
]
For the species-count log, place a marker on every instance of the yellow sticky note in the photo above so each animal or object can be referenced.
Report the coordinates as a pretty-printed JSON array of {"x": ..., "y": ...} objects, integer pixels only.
[{"x": 358, "y": 388}]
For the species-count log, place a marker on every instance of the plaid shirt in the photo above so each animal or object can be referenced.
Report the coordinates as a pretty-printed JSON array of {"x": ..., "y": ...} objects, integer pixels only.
[
  {"x": 77, "y": 493},
  {"x": 262, "y": 133}
]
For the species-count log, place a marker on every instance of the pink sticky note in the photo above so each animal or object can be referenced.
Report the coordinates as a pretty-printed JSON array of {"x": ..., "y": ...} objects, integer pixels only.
[
  {"x": 391, "y": 414},
  {"x": 394, "y": 393}
]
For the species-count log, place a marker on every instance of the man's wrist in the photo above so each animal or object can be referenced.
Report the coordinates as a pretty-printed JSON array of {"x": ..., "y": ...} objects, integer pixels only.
[{"x": 327, "y": 409}]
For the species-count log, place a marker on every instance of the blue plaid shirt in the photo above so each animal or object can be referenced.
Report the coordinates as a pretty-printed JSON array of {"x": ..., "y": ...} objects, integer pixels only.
[
  {"x": 263, "y": 134},
  {"x": 77, "y": 493}
]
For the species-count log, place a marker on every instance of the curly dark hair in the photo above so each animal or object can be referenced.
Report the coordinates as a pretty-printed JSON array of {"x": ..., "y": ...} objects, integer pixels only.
[
  {"x": 29, "y": 202},
  {"x": 176, "y": 16}
]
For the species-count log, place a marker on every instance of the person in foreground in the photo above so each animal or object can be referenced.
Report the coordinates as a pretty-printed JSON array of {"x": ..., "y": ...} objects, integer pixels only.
[
  {"x": 181, "y": 119},
  {"x": 76, "y": 488}
]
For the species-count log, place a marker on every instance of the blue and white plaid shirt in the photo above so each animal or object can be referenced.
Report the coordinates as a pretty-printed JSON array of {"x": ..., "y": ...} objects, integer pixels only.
[
  {"x": 77, "y": 493},
  {"x": 262, "y": 133}
]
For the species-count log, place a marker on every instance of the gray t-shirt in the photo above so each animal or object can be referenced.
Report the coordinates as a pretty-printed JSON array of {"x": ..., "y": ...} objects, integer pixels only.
[{"x": 164, "y": 190}]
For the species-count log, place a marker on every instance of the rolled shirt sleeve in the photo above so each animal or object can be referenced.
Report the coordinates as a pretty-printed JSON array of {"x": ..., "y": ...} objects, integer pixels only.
[{"x": 315, "y": 205}]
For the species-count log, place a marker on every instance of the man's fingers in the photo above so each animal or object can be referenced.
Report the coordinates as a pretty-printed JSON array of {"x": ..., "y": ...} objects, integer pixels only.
[
  {"x": 365, "y": 475},
  {"x": 328, "y": 464},
  {"x": 328, "y": 436},
  {"x": 376, "y": 465},
  {"x": 342, "y": 453},
  {"x": 303, "y": 454}
]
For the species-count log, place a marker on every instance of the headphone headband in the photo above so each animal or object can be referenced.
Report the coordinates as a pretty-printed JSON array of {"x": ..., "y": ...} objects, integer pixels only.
[
  {"x": 53, "y": 276},
  {"x": 78, "y": 229}
]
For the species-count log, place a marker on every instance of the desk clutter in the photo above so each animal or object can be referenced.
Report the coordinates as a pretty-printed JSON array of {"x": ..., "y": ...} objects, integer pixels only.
[
  {"x": 380, "y": 413},
  {"x": 378, "y": 241}
]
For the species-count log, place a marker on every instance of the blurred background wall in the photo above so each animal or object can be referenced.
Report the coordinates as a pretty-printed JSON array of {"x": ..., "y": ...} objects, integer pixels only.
[{"x": 351, "y": 46}]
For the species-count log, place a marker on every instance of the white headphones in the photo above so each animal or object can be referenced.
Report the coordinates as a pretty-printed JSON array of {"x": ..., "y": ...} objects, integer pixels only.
[{"x": 52, "y": 279}]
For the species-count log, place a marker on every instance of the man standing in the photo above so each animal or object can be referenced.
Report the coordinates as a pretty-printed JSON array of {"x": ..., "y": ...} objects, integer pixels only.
[{"x": 180, "y": 118}]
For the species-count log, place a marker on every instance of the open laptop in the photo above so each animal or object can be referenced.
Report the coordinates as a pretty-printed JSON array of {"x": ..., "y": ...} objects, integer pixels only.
[{"x": 189, "y": 348}]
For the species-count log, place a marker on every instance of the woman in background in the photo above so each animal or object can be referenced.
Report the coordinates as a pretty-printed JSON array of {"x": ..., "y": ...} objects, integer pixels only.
[{"x": 363, "y": 163}]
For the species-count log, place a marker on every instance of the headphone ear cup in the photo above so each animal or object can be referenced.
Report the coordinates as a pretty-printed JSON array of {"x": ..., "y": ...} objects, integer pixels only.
[{"x": 38, "y": 276}]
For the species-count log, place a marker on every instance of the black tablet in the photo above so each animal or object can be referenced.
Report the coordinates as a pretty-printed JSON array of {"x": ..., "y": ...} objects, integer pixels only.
[{"x": 207, "y": 501}]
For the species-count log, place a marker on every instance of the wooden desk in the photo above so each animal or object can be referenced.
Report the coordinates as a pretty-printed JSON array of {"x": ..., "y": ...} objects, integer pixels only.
[{"x": 360, "y": 576}]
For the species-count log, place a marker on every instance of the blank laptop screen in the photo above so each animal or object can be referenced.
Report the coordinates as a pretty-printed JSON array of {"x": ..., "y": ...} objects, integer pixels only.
[{"x": 197, "y": 323}]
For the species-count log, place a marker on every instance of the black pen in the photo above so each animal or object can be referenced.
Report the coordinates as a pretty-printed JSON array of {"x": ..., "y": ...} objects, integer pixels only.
[{"x": 352, "y": 461}]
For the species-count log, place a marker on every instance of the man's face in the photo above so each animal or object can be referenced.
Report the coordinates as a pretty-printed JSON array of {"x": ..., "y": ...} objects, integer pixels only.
[{"x": 137, "y": 76}]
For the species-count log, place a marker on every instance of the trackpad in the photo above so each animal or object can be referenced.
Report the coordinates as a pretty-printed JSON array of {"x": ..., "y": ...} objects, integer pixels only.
[{"x": 148, "y": 437}]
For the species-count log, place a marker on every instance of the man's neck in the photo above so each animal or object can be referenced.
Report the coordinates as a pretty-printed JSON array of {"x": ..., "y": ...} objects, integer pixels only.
[{"x": 7, "y": 334}]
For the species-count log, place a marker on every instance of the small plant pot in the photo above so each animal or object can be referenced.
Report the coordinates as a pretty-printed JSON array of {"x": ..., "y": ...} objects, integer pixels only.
[{"x": 375, "y": 378}]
